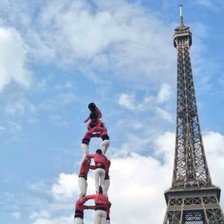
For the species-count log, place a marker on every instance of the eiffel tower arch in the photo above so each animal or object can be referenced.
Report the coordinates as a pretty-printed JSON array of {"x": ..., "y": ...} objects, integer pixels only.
[{"x": 192, "y": 198}]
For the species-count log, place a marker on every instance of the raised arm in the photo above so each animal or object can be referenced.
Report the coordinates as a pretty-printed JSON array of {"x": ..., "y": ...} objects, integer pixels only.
[
  {"x": 89, "y": 197},
  {"x": 90, "y": 207},
  {"x": 86, "y": 119},
  {"x": 90, "y": 156}
]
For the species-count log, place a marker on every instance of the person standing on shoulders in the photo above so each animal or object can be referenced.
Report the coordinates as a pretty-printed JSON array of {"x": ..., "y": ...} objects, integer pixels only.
[
  {"x": 100, "y": 166},
  {"x": 94, "y": 113}
]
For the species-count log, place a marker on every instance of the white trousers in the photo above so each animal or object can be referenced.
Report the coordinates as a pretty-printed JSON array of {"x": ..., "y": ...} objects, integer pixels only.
[
  {"x": 100, "y": 217},
  {"x": 107, "y": 222},
  {"x": 99, "y": 179},
  {"x": 82, "y": 186},
  {"x": 104, "y": 146},
  {"x": 85, "y": 149},
  {"x": 106, "y": 186},
  {"x": 78, "y": 221}
]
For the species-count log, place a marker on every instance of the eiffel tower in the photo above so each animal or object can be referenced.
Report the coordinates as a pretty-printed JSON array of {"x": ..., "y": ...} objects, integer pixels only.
[{"x": 192, "y": 198}]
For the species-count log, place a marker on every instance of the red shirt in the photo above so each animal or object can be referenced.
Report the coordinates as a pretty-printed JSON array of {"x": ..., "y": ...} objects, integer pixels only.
[
  {"x": 100, "y": 200},
  {"x": 79, "y": 205},
  {"x": 107, "y": 165},
  {"x": 85, "y": 166},
  {"x": 98, "y": 159}
]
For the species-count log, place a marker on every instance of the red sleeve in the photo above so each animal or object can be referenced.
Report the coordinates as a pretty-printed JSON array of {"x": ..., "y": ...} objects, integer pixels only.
[
  {"x": 107, "y": 164},
  {"x": 81, "y": 201},
  {"x": 90, "y": 156},
  {"x": 92, "y": 196},
  {"x": 84, "y": 162}
]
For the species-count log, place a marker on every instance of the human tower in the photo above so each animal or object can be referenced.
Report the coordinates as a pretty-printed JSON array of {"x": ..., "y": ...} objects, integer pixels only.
[{"x": 98, "y": 162}]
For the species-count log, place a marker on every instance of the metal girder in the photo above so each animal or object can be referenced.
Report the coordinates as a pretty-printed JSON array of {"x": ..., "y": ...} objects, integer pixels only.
[{"x": 192, "y": 199}]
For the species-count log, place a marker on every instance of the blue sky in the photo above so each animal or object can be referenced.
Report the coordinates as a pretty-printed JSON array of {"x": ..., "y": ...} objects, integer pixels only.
[{"x": 56, "y": 57}]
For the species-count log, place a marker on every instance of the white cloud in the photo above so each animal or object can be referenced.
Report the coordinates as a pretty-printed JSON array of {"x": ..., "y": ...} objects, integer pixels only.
[
  {"x": 64, "y": 220},
  {"x": 66, "y": 187},
  {"x": 164, "y": 93},
  {"x": 136, "y": 143},
  {"x": 60, "y": 100},
  {"x": 20, "y": 106},
  {"x": 39, "y": 50},
  {"x": 44, "y": 217},
  {"x": 129, "y": 101},
  {"x": 40, "y": 214},
  {"x": 214, "y": 144},
  {"x": 206, "y": 3},
  {"x": 13, "y": 59},
  {"x": 137, "y": 125},
  {"x": 119, "y": 37},
  {"x": 43, "y": 221},
  {"x": 137, "y": 183},
  {"x": 165, "y": 145},
  {"x": 164, "y": 114}
]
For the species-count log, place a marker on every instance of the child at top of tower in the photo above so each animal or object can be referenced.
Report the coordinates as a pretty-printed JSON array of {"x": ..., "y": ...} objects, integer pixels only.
[{"x": 95, "y": 114}]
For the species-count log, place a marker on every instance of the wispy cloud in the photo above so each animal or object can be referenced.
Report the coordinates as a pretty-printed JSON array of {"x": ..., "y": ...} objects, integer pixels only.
[
  {"x": 131, "y": 102},
  {"x": 66, "y": 187},
  {"x": 206, "y": 3},
  {"x": 164, "y": 114},
  {"x": 98, "y": 38},
  {"x": 164, "y": 93},
  {"x": 13, "y": 63},
  {"x": 65, "y": 220},
  {"x": 19, "y": 107}
]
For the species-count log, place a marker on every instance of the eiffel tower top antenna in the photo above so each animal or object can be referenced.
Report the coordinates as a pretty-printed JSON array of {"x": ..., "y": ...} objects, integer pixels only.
[{"x": 181, "y": 14}]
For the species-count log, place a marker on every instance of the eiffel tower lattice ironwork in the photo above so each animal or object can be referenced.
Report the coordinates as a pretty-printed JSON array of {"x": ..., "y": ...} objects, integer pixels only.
[{"x": 192, "y": 198}]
